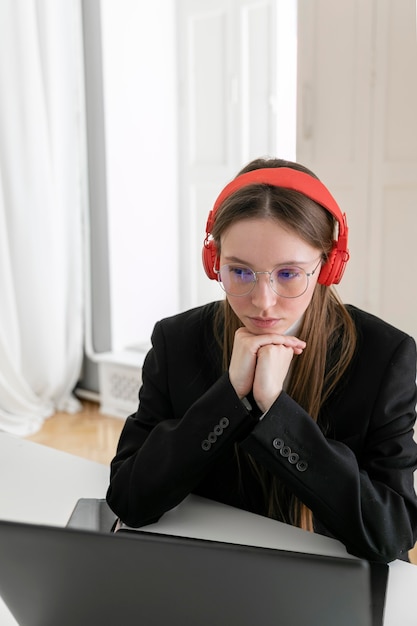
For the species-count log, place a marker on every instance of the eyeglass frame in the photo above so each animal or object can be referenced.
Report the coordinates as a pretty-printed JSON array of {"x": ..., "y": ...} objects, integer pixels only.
[{"x": 255, "y": 281}]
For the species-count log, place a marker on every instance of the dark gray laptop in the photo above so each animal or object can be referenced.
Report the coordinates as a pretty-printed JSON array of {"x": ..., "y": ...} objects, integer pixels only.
[{"x": 52, "y": 576}]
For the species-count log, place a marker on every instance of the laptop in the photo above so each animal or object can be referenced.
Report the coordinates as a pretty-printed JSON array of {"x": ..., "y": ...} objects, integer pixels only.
[{"x": 75, "y": 576}]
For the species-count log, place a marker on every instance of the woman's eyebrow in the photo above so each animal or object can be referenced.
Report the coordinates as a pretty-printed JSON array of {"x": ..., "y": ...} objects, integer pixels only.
[{"x": 235, "y": 259}]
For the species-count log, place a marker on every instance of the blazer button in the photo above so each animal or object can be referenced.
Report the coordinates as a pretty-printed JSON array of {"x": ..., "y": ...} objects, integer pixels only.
[
  {"x": 212, "y": 438},
  {"x": 302, "y": 466},
  {"x": 206, "y": 445},
  {"x": 293, "y": 458},
  {"x": 278, "y": 443},
  {"x": 224, "y": 422},
  {"x": 218, "y": 430},
  {"x": 285, "y": 451}
]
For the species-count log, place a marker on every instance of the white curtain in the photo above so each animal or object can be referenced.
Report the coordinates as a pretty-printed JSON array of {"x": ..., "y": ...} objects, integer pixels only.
[{"x": 41, "y": 314}]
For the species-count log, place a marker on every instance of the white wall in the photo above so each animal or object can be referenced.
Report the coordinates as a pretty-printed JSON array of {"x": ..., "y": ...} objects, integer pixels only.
[
  {"x": 146, "y": 230},
  {"x": 140, "y": 115},
  {"x": 140, "y": 101}
]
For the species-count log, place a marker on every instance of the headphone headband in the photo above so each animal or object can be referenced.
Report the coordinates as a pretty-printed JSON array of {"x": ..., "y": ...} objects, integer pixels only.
[{"x": 288, "y": 178}]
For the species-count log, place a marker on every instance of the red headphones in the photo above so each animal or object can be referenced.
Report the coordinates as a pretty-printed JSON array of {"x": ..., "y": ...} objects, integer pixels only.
[{"x": 332, "y": 271}]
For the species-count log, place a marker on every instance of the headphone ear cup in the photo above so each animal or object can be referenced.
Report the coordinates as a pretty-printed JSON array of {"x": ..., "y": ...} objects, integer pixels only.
[
  {"x": 332, "y": 271},
  {"x": 209, "y": 255}
]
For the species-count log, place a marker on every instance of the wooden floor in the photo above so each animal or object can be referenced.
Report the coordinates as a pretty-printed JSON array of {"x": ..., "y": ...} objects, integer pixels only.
[
  {"x": 87, "y": 434},
  {"x": 93, "y": 436}
]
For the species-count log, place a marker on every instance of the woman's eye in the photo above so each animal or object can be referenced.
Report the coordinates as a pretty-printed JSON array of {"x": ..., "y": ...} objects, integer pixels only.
[
  {"x": 289, "y": 273},
  {"x": 242, "y": 273}
]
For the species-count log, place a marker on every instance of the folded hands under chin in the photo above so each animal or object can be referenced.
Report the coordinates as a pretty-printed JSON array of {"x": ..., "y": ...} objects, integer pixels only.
[{"x": 260, "y": 363}]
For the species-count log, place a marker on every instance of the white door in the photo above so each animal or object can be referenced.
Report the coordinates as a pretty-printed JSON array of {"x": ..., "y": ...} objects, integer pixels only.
[
  {"x": 357, "y": 129},
  {"x": 228, "y": 60}
]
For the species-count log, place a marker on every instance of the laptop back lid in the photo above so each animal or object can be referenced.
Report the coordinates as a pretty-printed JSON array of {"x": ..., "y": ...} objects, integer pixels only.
[{"x": 67, "y": 576}]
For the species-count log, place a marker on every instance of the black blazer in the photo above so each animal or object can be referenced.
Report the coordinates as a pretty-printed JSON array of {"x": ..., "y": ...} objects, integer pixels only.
[{"x": 354, "y": 469}]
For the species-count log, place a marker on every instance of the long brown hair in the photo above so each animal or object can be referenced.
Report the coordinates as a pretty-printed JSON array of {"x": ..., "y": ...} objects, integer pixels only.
[{"x": 327, "y": 327}]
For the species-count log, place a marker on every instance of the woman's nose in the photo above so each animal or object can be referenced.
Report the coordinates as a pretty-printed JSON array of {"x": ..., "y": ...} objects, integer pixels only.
[{"x": 263, "y": 296}]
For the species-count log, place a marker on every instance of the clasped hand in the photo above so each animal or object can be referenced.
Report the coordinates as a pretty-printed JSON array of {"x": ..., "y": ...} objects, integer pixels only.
[{"x": 260, "y": 363}]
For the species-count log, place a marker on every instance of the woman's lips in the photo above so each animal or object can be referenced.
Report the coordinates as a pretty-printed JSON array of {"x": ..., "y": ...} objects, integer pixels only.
[{"x": 264, "y": 322}]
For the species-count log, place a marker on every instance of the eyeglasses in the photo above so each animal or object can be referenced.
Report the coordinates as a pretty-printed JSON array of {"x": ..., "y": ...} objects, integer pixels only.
[{"x": 287, "y": 281}]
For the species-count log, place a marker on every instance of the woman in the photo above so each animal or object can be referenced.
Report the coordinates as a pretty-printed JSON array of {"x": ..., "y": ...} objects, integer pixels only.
[{"x": 278, "y": 400}]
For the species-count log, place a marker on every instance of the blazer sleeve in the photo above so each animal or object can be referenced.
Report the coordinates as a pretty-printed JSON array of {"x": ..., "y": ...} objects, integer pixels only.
[
  {"x": 366, "y": 498},
  {"x": 164, "y": 451}
]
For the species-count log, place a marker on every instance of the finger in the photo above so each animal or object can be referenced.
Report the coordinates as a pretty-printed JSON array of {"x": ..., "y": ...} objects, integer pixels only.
[
  {"x": 271, "y": 369},
  {"x": 254, "y": 342}
]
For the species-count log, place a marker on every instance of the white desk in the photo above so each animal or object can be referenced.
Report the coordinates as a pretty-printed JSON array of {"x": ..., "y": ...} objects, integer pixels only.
[{"x": 41, "y": 485}]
